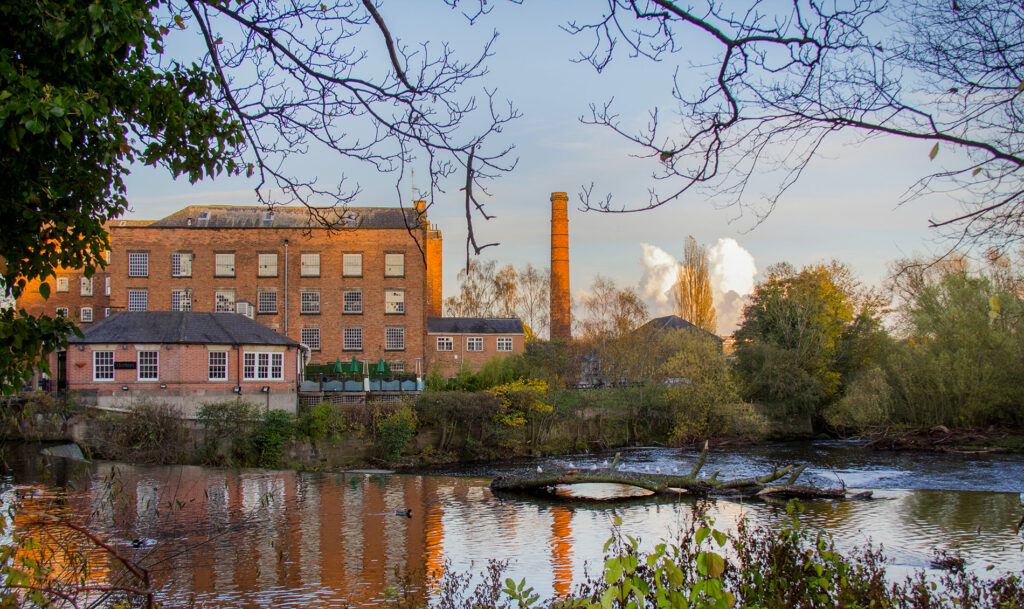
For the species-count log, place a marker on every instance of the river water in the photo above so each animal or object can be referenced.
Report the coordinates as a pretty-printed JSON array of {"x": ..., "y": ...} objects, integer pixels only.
[{"x": 259, "y": 538}]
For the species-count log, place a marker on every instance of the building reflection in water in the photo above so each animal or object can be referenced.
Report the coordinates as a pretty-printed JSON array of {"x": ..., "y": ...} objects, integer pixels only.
[{"x": 285, "y": 539}]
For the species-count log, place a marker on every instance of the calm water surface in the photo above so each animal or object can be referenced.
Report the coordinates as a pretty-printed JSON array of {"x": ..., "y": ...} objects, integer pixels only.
[{"x": 259, "y": 538}]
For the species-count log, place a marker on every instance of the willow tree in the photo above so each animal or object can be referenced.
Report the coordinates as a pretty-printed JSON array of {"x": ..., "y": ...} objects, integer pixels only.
[{"x": 691, "y": 294}]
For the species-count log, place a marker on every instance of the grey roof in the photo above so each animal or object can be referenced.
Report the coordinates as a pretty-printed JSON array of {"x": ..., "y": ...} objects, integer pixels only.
[
  {"x": 674, "y": 322},
  {"x": 473, "y": 325},
  {"x": 194, "y": 327},
  {"x": 229, "y": 216}
]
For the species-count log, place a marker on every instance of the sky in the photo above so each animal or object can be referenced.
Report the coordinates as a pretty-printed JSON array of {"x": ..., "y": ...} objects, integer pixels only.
[{"x": 846, "y": 206}]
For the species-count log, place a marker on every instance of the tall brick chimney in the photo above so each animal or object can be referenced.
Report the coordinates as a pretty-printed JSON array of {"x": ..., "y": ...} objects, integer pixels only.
[{"x": 560, "y": 298}]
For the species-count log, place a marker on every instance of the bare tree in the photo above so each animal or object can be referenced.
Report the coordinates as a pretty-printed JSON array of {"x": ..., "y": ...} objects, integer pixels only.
[
  {"x": 610, "y": 312},
  {"x": 331, "y": 77},
  {"x": 785, "y": 77},
  {"x": 692, "y": 294},
  {"x": 534, "y": 299}
]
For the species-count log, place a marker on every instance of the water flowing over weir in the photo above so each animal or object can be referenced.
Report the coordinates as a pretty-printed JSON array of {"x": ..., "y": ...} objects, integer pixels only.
[{"x": 259, "y": 538}]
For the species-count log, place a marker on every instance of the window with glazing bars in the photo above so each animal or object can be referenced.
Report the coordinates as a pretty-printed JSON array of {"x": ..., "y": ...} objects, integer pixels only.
[
  {"x": 352, "y": 339},
  {"x": 138, "y": 264},
  {"x": 181, "y": 264},
  {"x": 309, "y": 302},
  {"x": 311, "y": 338},
  {"x": 353, "y": 301},
  {"x": 138, "y": 300},
  {"x": 266, "y": 302},
  {"x": 149, "y": 365},
  {"x": 394, "y": 339}
]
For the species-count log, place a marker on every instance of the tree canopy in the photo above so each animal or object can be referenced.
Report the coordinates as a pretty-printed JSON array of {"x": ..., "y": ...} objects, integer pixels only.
[
  {"x": 785, "y": 77},
  {"x": 86, "y": 89},
  {"x": 691, "y": 294}
]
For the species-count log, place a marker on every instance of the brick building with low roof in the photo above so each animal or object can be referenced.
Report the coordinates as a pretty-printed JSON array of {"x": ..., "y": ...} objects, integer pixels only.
[
  {"x": 454, "y": 343},
  {"x": 353, "y": 281},
  {"x": 183, "y": 359}
]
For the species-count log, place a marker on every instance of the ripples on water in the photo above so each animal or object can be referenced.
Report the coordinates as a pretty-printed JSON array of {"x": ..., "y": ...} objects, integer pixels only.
[{"x": 286, "y": 539}]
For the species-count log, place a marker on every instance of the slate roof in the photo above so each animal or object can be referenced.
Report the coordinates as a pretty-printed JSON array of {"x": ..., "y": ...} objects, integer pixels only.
[
  {"x": 230, "y": 216},
  {"x": 473, "y": 325},
  {"x": 176, "y": 327},
  {"x": 674, "y": 322}
]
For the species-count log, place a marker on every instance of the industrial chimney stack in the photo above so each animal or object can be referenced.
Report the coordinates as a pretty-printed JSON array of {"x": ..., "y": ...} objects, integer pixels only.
[{"x": 560, "y": 299}]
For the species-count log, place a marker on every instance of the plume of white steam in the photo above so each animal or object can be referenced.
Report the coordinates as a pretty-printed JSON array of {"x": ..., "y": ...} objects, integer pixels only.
[
  {"x": 732, "y": 282},
  {"x": 732, "y": 272}
]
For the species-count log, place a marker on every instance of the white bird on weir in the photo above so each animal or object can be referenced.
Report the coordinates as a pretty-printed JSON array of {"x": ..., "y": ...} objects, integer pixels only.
[
  {"x": 604, "y": 464},
  {"x": 540, "y": 470},
  {"x": 593, "y": 467}
]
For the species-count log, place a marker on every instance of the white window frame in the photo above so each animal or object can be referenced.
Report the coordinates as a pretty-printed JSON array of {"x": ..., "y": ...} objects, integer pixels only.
[
  {"x": 218, "y": 362},
  {"x": 394, "y": 302},
  {"x": 474, "y": 343},
  {"x": 309, "y": 302},
  {"x": 181, "y": 300},
  {"x": 394, "y": 338},
  {"x": 352, "y": 339},
  {"x": 394, "y": 265},
  {"x": 106, "y": 286},
  {"x": 138, "y": 264},
  {"x": 266, "y": 265},
  {"x": 352, "y": 302},
  {"x": 261, "y": 366},
  {"x": 219, "y": 307},
  {"x": 61, "y": 284},
  {"x": 144, "y": 302},
  {"x": 181, "y": 264},
  {"x": 311, "y": 338},
  {"x": 504, "y": 344},
  {"x": 445, "y": 343},
  {"x": 352, "y": 265},
  {"x": 103, "y": 371},
  {"x": 106, "y": 312},
  {"x": 85, "y": 286},
  {"x": 85, "y": 314},
  {"x": 266, "y": 302},
  {"x": 148, "y": 366},
  {"x": 224, "y": 264},
  {"x": 309, "y": 264}
]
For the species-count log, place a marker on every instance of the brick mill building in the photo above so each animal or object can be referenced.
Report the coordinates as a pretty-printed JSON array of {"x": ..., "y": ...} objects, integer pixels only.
[
  {"x": 183, "y": 360},
  {"x": 357, "y": 281}
]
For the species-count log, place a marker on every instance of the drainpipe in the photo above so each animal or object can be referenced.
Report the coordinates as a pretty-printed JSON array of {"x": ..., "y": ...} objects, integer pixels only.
[{"x": 286, "y": 287}]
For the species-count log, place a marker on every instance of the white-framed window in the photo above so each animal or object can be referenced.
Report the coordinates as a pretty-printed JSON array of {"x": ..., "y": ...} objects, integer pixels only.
[
  {"x": 445, "y": 343},
  {"x": 138, "y": 264},
  {"x": 86, "y": 286},
  {"x": 394, "y": 302},
  {"x": 181, "y": 300},
  {"x": 224, "y": 301},
  {"x": 394, "y": 338},
  {"x": 224, "y": 265},
  {"x": 311, "y": 338},
  {"x": 106, "y": 312},
  {"x": 85, "y": 314},
  {"x": 260, "y": 366},
  {"x": 106, "y": 286},
  {"x": 62, "y": 312},
  {"x": 266, "y": 302},
  {"x": 474, "y": 343},
  {"x": 352, "y": 301},
  {"x": 267, "y": 265},
  {"x": 309, "y": 265},
  {"x": 397, "y": 365},
  {"x": 309, "y": 302},
  {"x": 61, "y": 284},
  {"x": 106, "y": 256},
  {"x": 352, "y": 265},
  {"x": 352, "y": 339},
  {"x": 181, "y": 264},
  {"x": 149, "y": 365},
  {"x": 504, "y": 343},
  {"x": 218, "y": 365},
  {"x": 102, "y": 365},
  {"x": 394, "y": 265},
  {"x": 138, "y": 300}
]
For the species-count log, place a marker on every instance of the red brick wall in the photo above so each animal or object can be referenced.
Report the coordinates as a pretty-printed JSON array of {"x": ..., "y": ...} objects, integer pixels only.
[
  {"x": 246, "y": 244},
  {"x": 448, "y": 363},
  {"x": 184, "y": 369}
]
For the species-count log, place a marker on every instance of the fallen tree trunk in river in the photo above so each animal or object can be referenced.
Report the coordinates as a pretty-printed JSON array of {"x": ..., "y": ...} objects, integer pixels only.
[{"x": 669, "y": 484}]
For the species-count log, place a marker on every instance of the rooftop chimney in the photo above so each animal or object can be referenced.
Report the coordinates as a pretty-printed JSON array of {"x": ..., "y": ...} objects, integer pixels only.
[{"x": 560, "y": 299}]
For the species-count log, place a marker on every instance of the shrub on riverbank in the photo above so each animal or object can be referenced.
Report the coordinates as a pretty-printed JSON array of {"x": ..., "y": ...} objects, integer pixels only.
[
  {"x": 148, "y": 433},
  {"x": 226, "y": 428},
  {"x": 394, "y": 430}
]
